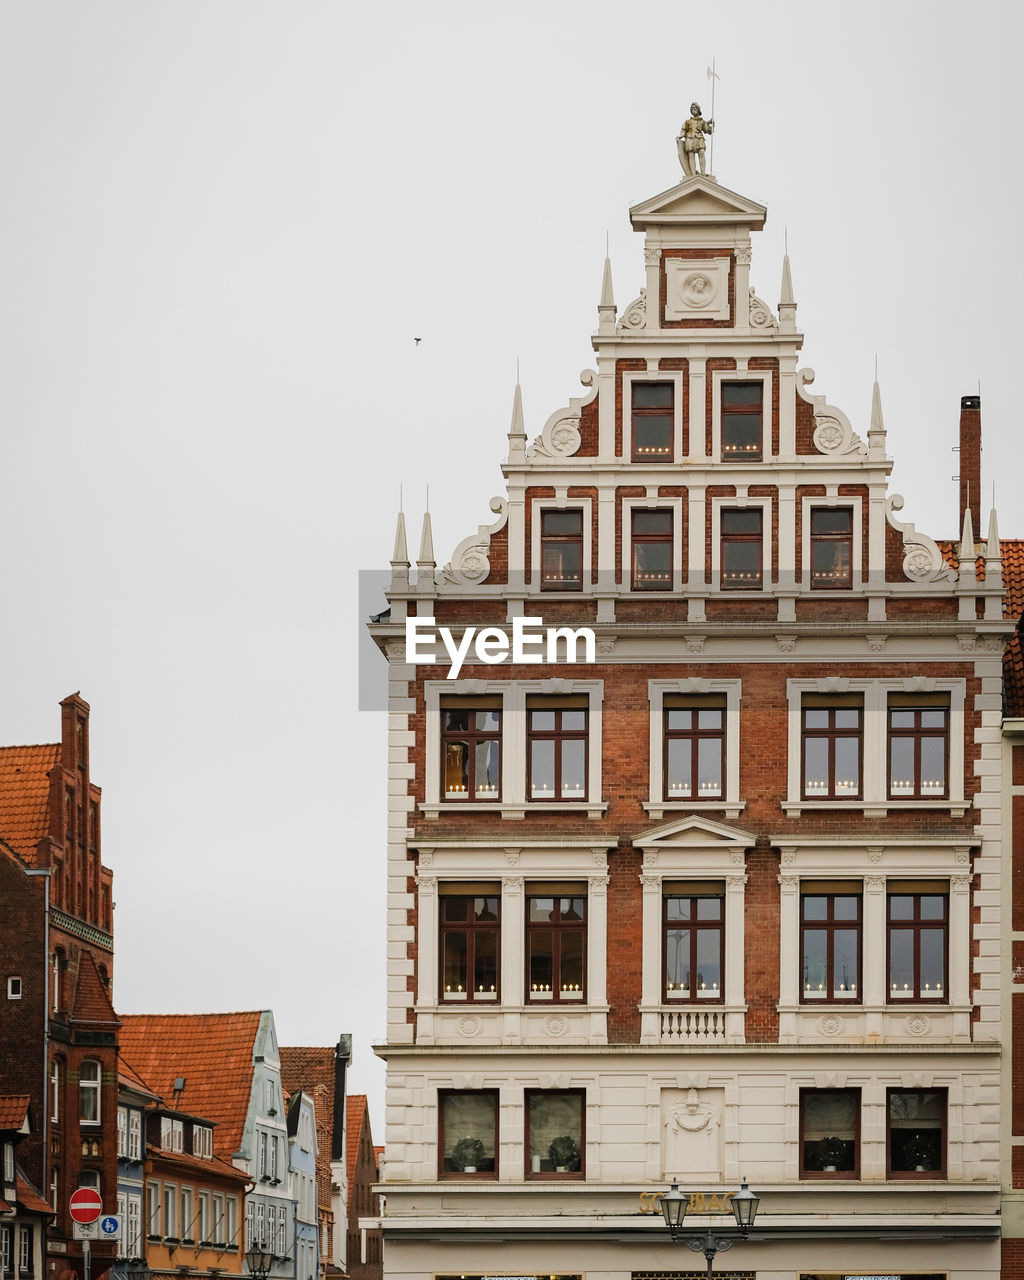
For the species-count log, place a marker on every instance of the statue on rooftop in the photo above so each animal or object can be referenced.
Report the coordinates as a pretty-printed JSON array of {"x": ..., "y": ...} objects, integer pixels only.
[{"x": 690, "y": 143}]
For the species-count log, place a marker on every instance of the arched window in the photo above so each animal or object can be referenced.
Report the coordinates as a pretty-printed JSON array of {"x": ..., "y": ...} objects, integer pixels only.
[
  {"x": 55, "y": 1090},
  {"x": 89, "y": 1077},
  {"x": 60, "y": 964}
]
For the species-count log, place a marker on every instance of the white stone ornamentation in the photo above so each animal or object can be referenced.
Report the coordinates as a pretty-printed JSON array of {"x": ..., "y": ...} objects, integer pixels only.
[
  {"x": 695, "y": 644},
  {"x": 760, "y": 313},
  {"x": 556, "y": 1026},
  {"x": 917, "y": 1025},
  {"x": 922, "y": 559},
  {"x": 833, "y": 434},
  {"x": 635, "y": 315},
  {"x": 469, "y": 564},
  {"x": 561, "y": 435},
  {"x": 830, "y": 1025},
  {"x": 469, "y": 1026}
]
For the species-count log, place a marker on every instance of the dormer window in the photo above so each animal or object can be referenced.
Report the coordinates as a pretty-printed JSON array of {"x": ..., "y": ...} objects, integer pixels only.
[
  {"x": 742, "y": 421},
  {"x": 653, "y": 406}
]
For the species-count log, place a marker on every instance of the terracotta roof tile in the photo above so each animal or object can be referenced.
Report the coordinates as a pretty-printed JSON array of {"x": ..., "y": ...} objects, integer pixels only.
[
  {"x": 355, "y": 1118},
  {"x": 92, "y": 999},
  {"x": 214, "y": 1054},
  {"x": 311, "y": 1069},
  {"x": 29, "y": 1197},
  {"x": 1013, "y": 677},
  {"x": 217, "y": 1166},
  {"x": 1013, "y": 575},
  {"x": 24, "y": 794},
  {"x": 128, "y": 1078},
  {"x": 13, "y": 1110}
]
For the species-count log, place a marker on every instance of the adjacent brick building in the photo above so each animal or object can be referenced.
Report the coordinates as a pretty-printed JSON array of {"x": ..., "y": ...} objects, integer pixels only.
[{"x": 728, "y": 897}]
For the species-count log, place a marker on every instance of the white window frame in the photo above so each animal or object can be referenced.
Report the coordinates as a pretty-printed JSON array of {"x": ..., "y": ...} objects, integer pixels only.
[
  {"x": 6, "y": 1248},
  {"x": 675, "y": 376},
  {"x": 14, "y": 988},
  {"x": 134, "y": 1227},
  {"x": 730, "y": 804},
  {"x": 651, "y": 503},
  {"x": 203, "y": 1219},
  {"x": 55, "y": 1091},
  {"x": 513, "y": 693},
  {"x": 269, "y": 1097},
  {"x": 25, "y": 1250},
  {"x": 9, "y": 1164},
  {"x": 561, "y": 502},
  {"x": 122, "y": 1133},
  {"x": 832, "y": 502},
  {"x": 170, "y": 1210},
  {"x": 154, "y": 1208},
  {"x": 875, "y": 801},
  {"x": 134, "y": 1135},
  {"x": 122, "y": 1213},
  {"x": 93, "y": 1087},
  {"x": 172, "y": 1134},
  {"x": 718, "y": 376},
  {"x": 202, "y": 1141},
  {"x": 261, "y": 1153},
  {"x": 218, "y": 1218},
  {"x": 188, "y": 1213},
  {"x": 250, "y": 1224},
  {"x": 231, "y": 1213}
]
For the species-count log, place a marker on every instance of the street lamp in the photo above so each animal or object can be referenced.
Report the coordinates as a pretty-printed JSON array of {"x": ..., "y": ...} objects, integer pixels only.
[
  {"x": 744, "y": 1208},
  {"x": 259, "y": 1260}
]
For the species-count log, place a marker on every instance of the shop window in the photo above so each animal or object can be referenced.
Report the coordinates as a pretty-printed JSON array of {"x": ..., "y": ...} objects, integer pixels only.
[
  {"x": 651, "y": 540},
  {"x": 556, "y": 943},
  {"x": 918, "y": 748},
  {"x": 742, "y": 416},
  {"x": 831, "y": 548},
  {"x": 916, "y": 1133},
  {"x": 557, "y": 747},
  {"x": 918, "y": 930},
  {"x": 468, "y": 1137},
  {"x": 829, "y": 1133},
  {"x": 652, "y": 421},
  {"x": 742, "y": 548},
  {"x": 694, "y": 746},
  {"x": 471, "y": 749},
  {"x": 693, "y": 921},
  {"x": 830, "y": 942},
  {"x": 561, "y": 550},
  {"x": 555, "y": 1139},
  {"x": 831, "y": 742},
  {"x": 470, "y": 942}
]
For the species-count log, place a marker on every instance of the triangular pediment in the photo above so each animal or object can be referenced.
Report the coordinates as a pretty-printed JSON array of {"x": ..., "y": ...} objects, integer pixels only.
[
  {"x": 698, "y": 201},
  {"x": 695, "y": 832}
]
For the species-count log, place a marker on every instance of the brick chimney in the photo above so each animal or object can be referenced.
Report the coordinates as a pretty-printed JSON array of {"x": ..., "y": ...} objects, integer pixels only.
[{"x": 970, "y": 461}]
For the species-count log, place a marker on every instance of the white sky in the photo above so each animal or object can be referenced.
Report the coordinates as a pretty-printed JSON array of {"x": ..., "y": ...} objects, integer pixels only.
[{"x": 222, "y": 226}]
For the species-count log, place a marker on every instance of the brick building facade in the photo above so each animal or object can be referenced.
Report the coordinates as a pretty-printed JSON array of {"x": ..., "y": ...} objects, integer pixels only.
[{"x": 724, "y": 898}]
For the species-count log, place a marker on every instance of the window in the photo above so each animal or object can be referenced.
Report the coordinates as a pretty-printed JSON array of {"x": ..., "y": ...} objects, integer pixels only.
[
  {"x": 741, "y": 421},
  {"x": 471, "y": 749},
  {"x": 55, "y": 1091},
  {"x": 89, "y": 1092},
  {"x": 202, "y": 1141},
  {"x": 231, "y": 1218},
  {"x": 273, "y": 1158},
  {"x": 133, "y": 1244},
  {"x": 694, "y": 937},
  {"x": 218, "y": 1220},
  {"x": 468, "y": 1138},
  {"x": 203, "y": 1219},
  {"x": 470, "y": 938},
  {"x": 652, "y": 421},
  {"x": 260, "y": 1225},
  {"x": 830, "y": 933},
  {"x": 153, "y": 1209},
  {"x": 6, "y": 1250},
  {"x": 134, "y": 1135},
  {"x": 918, "y": 747},
  {"x": 170, "y": 1211},
  {"x": 25, "y": 1250},
  {"x": 741, "y": 549},
  {"x": 694, "y": 753},
  {"x": 829, "y": 1133},
  {"x": 171, "y": 1134},
  {"x": 122, "y": 1132},
  {"x": 916, "y": 1133},
  {"x": 54, "y": 1188},
  {"x": 556, "y": 943},
  {"x": 250, "y": 1224},
  {"x": 188, "y": 1223},
  {"x": 269, "y": 1098},
  {"x": 831, "y": 548},
  {"x": 13, "y": 988},
  {"x": 831, "y": 737},
  {"x": 652, "y": 542},
  {"x": 557, "y": 748},
  {"x": 555, "y": 1141},
  {"x": 918, "y": 919},
  {"x": 9, "y": 1164},
  {"x": 561, "y": 550},
  {"x": 261, "y": 1154}
]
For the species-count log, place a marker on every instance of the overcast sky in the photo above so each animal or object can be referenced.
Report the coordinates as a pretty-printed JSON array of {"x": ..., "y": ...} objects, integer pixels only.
[{"x": 223, "y": 224}]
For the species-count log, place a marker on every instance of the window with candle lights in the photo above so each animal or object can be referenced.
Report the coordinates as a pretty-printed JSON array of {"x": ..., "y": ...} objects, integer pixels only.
[
  {"x": 831, "y": 548},
  {"x": 829, "y": 1133},
  {"x": 831, "y": 741},
  {"x": 916, "y": 1133},
  {"x": 918, "y": 938},
  {"x": 742, "y": 421},
  {"x": 653, "y": 412},
  {"x": 918, "y": 746},
  {"x": 557, "y": 747},
  {"x": 556, "y": 944},
  {"x": 470, "y": 942},
  {"x": 742, "y": 547},
  {"x": 694, "y": 943},
  {"x": 694, "y": 746},
  {"x": 471, "y": 749},
  {"x": 561, "y": 550},
  {"x": 651, "y": 540},
  {"x": 468, "y": 1133},
  {"x": 830, "y": 942}
]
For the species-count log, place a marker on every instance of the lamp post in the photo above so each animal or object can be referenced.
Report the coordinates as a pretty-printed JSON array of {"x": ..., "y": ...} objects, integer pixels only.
[
  {"x": 259, "y": 1260},
  {"x": 744, "y": 1208}
]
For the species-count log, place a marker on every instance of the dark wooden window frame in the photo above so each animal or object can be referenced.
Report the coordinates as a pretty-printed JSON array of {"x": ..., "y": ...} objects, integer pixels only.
[
  {"x": 830, "y": 925},
  {"x": 578, "y": 1175},
  {"x": 746, "y": 410},
  {"x": 557, "y": 928},
  {"x": 914, "y": 1174},
  {"x": 831, "y": 733},
  {"x": 472, "y": 737},
  {"x": 561, "y": 539},
  {"x": 844, "y": 1175},
  {"x": 488, "y": 1175},
  {"x": 695, "y": 736},
  {"x": 558, "y": 735},
  {"x": 693, "y": 924},
  {"x": 917, "y": 732},
  {"x": 838, "y": 539},
  {"x": 659, "y": 539},
  {"x": 732, "y": 539},
  {"x": 471, "y": 927},
  {"x": 914, "y": 925},
  {"x": 639, "y": 412}
]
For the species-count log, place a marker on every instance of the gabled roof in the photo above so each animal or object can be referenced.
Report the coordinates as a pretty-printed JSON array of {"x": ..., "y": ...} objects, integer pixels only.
[
  {"x": 29, "y": 1198},
  {"x": 213, "y": 1052},
  {"x": 356, "y": 1115},
  {"x": 91, "y": 1002},
  {"x": 698, "y": 831},
  {"x": 24, "y": 796},
  {"x": 14, "y": 1112},
  {"x": 698, "y": 200}
]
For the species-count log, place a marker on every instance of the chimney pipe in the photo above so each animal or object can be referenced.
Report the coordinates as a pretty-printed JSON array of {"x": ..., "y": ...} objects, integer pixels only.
[{"x": 970, "y": 460}]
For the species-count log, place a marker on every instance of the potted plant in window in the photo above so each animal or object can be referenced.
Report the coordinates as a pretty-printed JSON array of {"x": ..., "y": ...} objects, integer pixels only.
[
  {"x": 564, "y": 1154},
  {"x": 831, "y": 1154},
  {"x": 917, "y": 1152},
  {"x": 467, "y": 1155}
]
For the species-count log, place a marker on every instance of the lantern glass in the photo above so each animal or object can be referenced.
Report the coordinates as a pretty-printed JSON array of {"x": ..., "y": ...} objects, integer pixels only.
[
  {"x": 673, "y": 1207},
  {"x": 744, "y": 1206}
]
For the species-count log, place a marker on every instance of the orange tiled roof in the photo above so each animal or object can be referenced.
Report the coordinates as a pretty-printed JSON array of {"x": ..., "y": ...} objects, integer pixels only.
[
  {"x": 24, "y": 793},
  {"x": 128, "y": 1078},
  {"x": 311, "y": 1068},
  {"x": 214, "y": 1054},
  {"x": 92, "y": 999},
  {"x": 13, "y": 1110},
  {"x": 216, "y": 1167},
  {"x": 1013, "y": 677},
  {"x": 1013, "y": 575},
  {"x": 355, "y": 1118},
  {"x": 29, "y": 1197}
]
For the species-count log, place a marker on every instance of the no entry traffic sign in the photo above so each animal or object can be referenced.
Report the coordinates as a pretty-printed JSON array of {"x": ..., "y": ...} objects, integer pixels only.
[{"x": 85, "y": 1204}]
